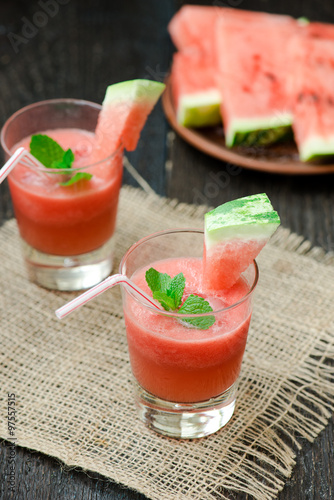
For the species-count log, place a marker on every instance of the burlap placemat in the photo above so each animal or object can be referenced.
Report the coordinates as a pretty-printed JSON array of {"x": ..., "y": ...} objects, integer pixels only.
[{"x": 72, "y": 378}]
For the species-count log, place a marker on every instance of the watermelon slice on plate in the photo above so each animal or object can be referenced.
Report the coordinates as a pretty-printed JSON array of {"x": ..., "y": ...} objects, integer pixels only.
[
  {"x": 242, "y": 52},
  {"x": 196, "y": 97},
  {"x": 312, "y": 83},
  {"x": 252, "y": 74},
  {"x": 235, "y": 233},
  {"x": 195, "y": 81},
  {"x": 125, "y": 109},
  {"x": 274, "y": 74}
]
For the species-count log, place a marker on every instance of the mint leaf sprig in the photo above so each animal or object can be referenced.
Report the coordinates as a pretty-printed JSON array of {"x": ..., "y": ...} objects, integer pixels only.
[
  {"x": 52, "y": 155},
  {"x": 169, "y": 292}
]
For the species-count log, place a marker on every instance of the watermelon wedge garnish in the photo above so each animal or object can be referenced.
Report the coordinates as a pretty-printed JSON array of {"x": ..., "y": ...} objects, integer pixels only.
[
  {"x": 125, "y": 109},
  {"x": 235, "y": 233}
]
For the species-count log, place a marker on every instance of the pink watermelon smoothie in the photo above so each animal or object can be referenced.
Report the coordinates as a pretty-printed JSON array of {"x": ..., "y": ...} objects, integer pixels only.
[
  {"x": 182, "y": 364},
  {"x": 69, "y": 220}
]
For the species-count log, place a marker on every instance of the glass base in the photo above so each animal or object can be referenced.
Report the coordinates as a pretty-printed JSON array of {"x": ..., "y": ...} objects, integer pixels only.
[
  {"x": 72, "y": 273},
  {"x": 185, "y": 420}
]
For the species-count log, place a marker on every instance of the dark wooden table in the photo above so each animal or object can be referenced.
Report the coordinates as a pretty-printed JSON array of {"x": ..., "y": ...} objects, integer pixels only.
[{"x": 76, "y": 49}]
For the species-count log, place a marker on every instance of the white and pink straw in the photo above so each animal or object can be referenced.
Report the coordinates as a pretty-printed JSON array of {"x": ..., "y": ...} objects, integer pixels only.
[
  {"x": 21, "y": 155},
  {"x": 115, "y": 279}
]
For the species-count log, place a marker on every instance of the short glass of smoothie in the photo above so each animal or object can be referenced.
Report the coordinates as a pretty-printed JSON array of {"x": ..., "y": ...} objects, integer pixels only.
[
  {"x": 67, "y": 232},
  {"x": 185, "y": 377}
]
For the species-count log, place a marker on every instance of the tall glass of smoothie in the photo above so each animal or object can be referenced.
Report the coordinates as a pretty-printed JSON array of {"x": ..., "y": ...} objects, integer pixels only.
[
  {"x": 185, "y": 376},
  {"x": 67, "y": 231}
]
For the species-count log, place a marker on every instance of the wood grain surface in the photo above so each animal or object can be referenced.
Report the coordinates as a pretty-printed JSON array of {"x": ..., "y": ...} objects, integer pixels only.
[{"x": 76, "y": 51}]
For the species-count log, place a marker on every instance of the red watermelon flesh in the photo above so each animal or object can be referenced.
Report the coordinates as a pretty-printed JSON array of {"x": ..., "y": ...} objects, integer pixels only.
[
  {"x": 120, "y": 125},
  {"x": 192, "y": 26},
  {"x": 251, "y": 58},
  {"x": 312, "y": 85},
  {"x": 319, "y": 30},
  {"x": 125, "y": 109},
  {"x": 224, "y": 263},
  {"x": 195, "y": 94}
]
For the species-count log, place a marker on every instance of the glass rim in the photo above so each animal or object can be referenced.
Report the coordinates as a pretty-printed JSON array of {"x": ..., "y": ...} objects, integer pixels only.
[
  {"x": 173, "y": 314},
  {"x": 66, "y": 100}
]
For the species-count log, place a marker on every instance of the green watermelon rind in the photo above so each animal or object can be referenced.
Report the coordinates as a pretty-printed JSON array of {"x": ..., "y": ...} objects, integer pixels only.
[
  {"x": 200, "y": 109},
  {"x": 139, "y": 90},
  {"x": 251, "y": 217},
  {"x": 316, "y": 148},
  {"x": 262, "y": 137},
  {"x": 259, "y": 131}
]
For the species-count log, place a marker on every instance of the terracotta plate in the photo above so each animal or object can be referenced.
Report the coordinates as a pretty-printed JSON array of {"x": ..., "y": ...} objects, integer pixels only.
[{"x": 278, "y": 159}]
